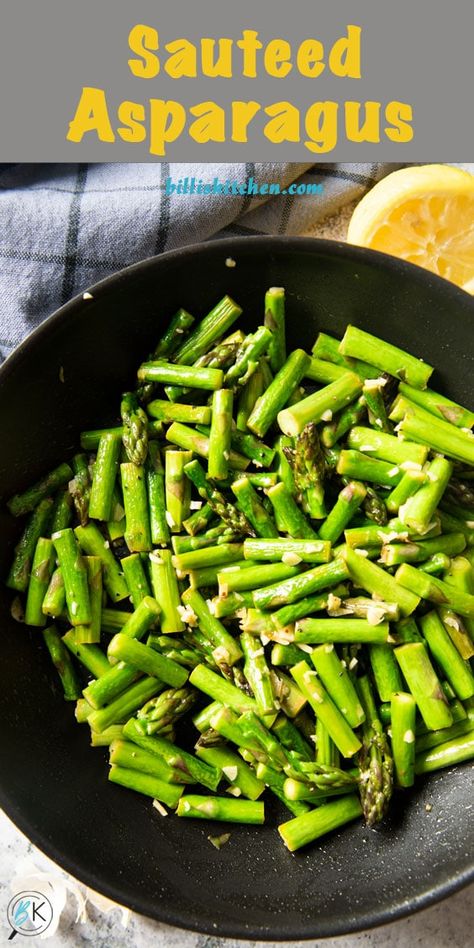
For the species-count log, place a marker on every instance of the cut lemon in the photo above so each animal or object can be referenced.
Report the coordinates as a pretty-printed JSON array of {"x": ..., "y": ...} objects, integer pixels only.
[{"x": 423, "y": 214}]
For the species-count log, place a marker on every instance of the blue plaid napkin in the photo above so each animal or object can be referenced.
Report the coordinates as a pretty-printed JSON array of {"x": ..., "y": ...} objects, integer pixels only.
[{"x": 64, "y": 227}]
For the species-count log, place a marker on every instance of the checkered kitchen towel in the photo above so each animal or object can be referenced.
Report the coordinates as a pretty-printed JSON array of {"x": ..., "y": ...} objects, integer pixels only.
[{"x": 64, "y": 227}]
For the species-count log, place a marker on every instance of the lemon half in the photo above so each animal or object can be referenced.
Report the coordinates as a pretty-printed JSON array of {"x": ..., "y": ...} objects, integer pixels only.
[{"x": 422, "y": 214}]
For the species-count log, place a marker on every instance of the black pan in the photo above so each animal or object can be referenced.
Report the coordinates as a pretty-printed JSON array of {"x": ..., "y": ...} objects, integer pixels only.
[{"x": 53, "y": 785}]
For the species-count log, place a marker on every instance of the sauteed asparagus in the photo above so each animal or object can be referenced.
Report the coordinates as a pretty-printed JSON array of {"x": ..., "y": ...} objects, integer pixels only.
[{"x": 260, "y": 580}]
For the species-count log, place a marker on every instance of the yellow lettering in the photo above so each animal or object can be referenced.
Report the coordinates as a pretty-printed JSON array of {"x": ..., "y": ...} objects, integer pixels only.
[
  {"x": 142, "y": 40},
  {"x": 242, "y": 115},
  {"x": 369, "y": 129},
  {"x": 321, "y": 126},
  {"x": 344, "y": 58},
  {"x": 220, "y": 67},
  {"x": 249, "y": 44},
  {"x": 400, "y": 114},
  {"x": 285, "y": 123},
  {"x": 210, "y": 123},
  {"x": 309, "y": 58},
  {"x": 91, "y": 116},
  {"x": 276, "y": 58},
  {"x": 132, "y": 114},
  {"x": 182, "y": 62},
  {"x": 167, "y": 121}
]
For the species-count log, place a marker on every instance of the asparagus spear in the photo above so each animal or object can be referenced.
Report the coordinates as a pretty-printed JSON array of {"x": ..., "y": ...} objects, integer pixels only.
[
  {"x": 309, "y": 471},
  {"x": 257, "y": 673},
  {"x": 41, "y": 572},
  {"x": 314, "y": 631},
  {"x": 232, "y": 579},
  {"x": 62, "y": 509},
  {"x": 289, "y": 591},
  {"x": 24, "y": 503},
  {"x": 93, "y": 543},
  {"x": 361, "y": 467},
  {"x": 208, "y": 331},
  {"x": 135, "y": 578},
  {"x": 222, "y": 691},
  {"x": 327, "y": 754},
  {"x": 226, "y": 649},
  {"x": 197, "y": 441},
  {"x": 403, "y": 712},
  {"x": 288, "y": 515},
  {"x": 234, "y": 769},
  {"x": 220, "y": 555},
  {"x": 54, "y": 602},
  {"x": 385, "y": 671},
  {"x": 376, "y": 581},
  {"x": 372, "y": 392},
  {"x": 177, "y": 488},
  {"x": 125, "y": 704},
  {"x": 37, "y": 526},
  {"x": 80, "y": 487},
  {"x": 275, "y": 321},
  {"x": 147, "y": 660},
  {"x": 175, "y": 411},
  {"x": 135, "y": 429},
  {"x": 221, "y": 808},
  {"x": 411, "y": 481},
  {"x": 90, "y": 634},
  {"x": 419, "y": 509},
  {"x": 247, "y": 358},
  {"x": 164, "y": 710},
  {"x": 452, "y": 752},
  {"x": 276, "y": 395},
  {"x": 166, "y": 373},
  {"x": 424, "y": 685},
  {"x": 62, "y": 662},
  {"x": 91, "y": 656},
  {"x": 325, "y": 709},
  {"x": 310, "y": 826},
  {"x": 220, "y": 433},
  {"x": 435, "y": 590},
  {"x": 155, "y": 480},
  {"x": 348, "y": 501},
  {"x": 386, "y": 447},
  {"x": 74, "y": 572},
  {"x": 196, "y": 771},
  {"x": 126, "y": 754},
  {"x": 248, "y": 502},
  {"x": 165, "y": 587},
  {"x": 439, "y": 405},
  {"x": 137, "y": 533},
  {"x": 248, "y": 395},
  {"x": 419, "y": 425},
  {"x": 111, "y": 684},
  {"x": 338, "y": 684},
  {"x": 327, "y": 401},
  {"x": 386, "y": 357},
  {"x": 374, "y": 759},
  {"x": 282, "y": 549},
  {"x": 226, "y": 511},
  {"x": 148, "y": 784},
  {"x": 457, "y": 671},
  {"x": 324, "y": 372}
]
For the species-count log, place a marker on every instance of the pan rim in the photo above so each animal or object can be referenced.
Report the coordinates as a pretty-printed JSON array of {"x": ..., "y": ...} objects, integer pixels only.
[{"x": 162, "y": 911}]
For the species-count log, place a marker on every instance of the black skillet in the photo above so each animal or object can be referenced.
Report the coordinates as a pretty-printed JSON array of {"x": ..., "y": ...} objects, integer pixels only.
[{"x": 53, "y": 785}]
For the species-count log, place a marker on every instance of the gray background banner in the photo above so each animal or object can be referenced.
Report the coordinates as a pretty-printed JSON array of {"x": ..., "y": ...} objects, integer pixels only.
[{"x": 414, "y": 51}]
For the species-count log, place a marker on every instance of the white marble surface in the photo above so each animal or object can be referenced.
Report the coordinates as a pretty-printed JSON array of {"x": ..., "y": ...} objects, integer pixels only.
[{"x": 446, "y": 925}]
